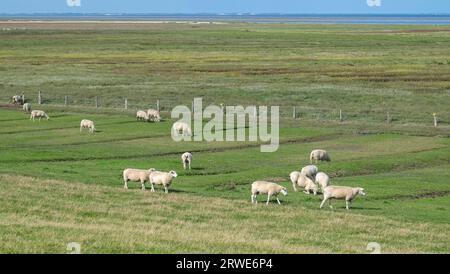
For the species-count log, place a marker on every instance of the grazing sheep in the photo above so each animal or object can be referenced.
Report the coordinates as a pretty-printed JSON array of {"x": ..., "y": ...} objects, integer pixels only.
[
  {"x": 310, "y": 171},
  {"x": 153, "y": 115},
  {"x": 323, "y": 180},
  {"x": 294, "y": 176},
  {"x": 26, "y": 107},
  {"x": 302, "y": 181},
  {"x": 310, "y": 186},
  {"x": 141, "y": 115},
  {"x": 187, "y": 160},
  {"x": 18, "y": 99},
  {"x": 38, "y": 114},
  {"x": 162, "y": 178},
  {"x": 182, "y": 129},
  {"x": 87, "y": 124},
  {"x": 136, "y": 175},
  {"x": 341, "y": 192},
  {"x": 319, "y": 155},
  {"x": 263, "y": 187}
]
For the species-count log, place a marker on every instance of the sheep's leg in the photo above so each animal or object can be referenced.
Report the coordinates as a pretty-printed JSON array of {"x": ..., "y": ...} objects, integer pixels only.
[
  {"x": 278, "y": 201},
  {"x": 166, "y": 189},
  {"x": 348, "y": 204},
  {"x": 153, "y": 187},
  {"x": 323, "y": 202},
  {"x": 126, "y": 184},
  {"x": 268, "y": 199},
  {"x": 184, "y": 165},
  {"x": 143, "y": 185},
  {"x": 295, "y": 189},
  {"x": 189, "y": 165}
]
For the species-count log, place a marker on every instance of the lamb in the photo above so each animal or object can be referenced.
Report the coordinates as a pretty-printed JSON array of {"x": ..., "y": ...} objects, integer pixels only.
[
  {"x": 310, "y": 171},
  {"x": 162, "y": 178},
  {"x": 319, "y": 155},
  {"x": 341, "y": 192},
  {"x": 182, "y": 128},
  {"x": 263, "y": 187},
  {"x": 322, "y": 180},
  {"x": 186, "y": 158},
  {"x": 38, "y": 114},
  {"x": 141, "y": 115},
  {"x": 153, "y": 115},
  {"x": 26, "y": 107},
  {"x": 136, "y": 175},
  {"x": 87, "y": 124}
]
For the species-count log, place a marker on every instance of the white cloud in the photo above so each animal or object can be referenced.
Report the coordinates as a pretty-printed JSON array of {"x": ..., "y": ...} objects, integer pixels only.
[
  {"x": 374, "y": 3},
  {"x": 73, "y": 3}
]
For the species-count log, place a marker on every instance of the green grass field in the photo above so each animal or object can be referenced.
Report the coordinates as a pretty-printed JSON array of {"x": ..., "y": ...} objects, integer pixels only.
[{"x": 58, "y": 185}]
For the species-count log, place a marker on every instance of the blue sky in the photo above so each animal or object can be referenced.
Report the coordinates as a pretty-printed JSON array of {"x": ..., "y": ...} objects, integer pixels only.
[{"x": 226, "y": 6}]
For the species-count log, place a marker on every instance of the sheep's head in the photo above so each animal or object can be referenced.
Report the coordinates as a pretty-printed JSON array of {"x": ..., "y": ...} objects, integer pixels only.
[
  {"x": 173, "y": 173},
  {"x": 283, "y": 191},
  {"x": 361, "y": 191},
  {"x": 151, "y": 170}
]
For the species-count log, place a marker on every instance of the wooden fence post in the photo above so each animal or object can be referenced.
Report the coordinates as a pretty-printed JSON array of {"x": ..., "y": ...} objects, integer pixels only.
[
  {"x": 435, "y": 120},
  {"x": 126, "y": 103},
  {"x": 340, "y": 115},
  {"x": 39, "y": 98},
  {"x": 294, "y": 112},
  {"x": 157, "y": 105},
  {"x": 96, "y": 101}
]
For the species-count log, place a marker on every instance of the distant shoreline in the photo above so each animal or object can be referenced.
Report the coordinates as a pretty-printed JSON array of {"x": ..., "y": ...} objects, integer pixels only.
[{"x": 381, "y": 19}]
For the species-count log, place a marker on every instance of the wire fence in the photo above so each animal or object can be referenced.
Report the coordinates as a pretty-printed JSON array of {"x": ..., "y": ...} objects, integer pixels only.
[{"x": 294, "y": 112}]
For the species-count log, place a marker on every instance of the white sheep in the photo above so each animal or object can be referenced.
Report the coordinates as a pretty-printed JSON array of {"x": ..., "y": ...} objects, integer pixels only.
[
  {"x": 141, "y": 115},
  {"x": 294, "y": 175},
  {"x": 323, "y": 180},
  {"x": 182, "y": 129},
  {"x": 300, "y": 180},
  {"x": 263, "y": 187},
  {"x": 87, "y": 124},
  {"x": 341, "y": 192},
  {"x": 310, "y": 186},
  {"x": 153, "y": 115},
  {"x": 162, "y": 178},
  {"x": 18, "y": 99},
  {"x": 38, "y": 114},
  {"x": 136, "y": 175},
  {"x": 26, "y": 107},
  {"x": 186, "y": 158},
  {"x": 319, "y": 155},
  {"x": 310, "y": 171}
]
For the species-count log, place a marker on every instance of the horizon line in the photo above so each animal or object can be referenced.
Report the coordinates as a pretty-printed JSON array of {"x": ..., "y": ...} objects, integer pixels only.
[{"x": 216, "y": 13}]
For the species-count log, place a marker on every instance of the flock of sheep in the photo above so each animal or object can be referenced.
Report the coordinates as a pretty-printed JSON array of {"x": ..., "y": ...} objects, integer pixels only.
[{"x": 309, "y": 178}]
